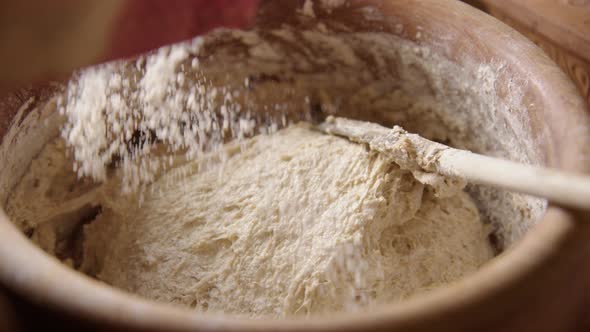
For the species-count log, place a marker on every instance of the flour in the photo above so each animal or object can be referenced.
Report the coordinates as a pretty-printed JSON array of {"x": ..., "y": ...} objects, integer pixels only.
[
  {"x": 299, "y": 223},
  {"x": 114, "y": 112}
]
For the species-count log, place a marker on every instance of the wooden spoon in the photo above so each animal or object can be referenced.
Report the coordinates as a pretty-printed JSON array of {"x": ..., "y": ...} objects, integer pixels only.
[{"x": 415, "y": 152}]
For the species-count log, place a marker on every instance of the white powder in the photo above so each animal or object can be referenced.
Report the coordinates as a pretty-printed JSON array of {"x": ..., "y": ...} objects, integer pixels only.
[{"x": 114, "y": 112}]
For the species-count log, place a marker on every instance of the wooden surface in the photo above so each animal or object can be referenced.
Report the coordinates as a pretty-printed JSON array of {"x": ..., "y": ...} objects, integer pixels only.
[
  {"x": 8, "y": 316},
  {"x": 564, "y": 22},
  {"x": 560, "y": 27}
]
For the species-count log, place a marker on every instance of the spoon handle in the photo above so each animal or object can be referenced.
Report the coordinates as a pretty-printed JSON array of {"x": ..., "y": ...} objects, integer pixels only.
[
  {"x": 415, "y": 152},
  {"x": 571, "y": 190}
]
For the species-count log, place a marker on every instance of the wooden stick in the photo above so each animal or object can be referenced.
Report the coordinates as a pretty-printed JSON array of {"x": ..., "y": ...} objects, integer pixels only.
[{"x": 415, "y": 152}]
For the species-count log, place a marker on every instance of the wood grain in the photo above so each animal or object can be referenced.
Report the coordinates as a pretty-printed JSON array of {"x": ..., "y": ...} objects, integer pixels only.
[
  {"x": 565, "y": 23},
  {"x": 573, "y": 63}
]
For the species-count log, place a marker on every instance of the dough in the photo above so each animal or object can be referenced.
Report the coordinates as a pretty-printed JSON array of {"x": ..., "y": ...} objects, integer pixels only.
[{"x": 290, "y": 224}]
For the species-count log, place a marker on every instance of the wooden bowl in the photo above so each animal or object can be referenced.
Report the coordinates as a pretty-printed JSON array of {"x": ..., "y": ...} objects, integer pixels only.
[{"x": 542, "y": 283}]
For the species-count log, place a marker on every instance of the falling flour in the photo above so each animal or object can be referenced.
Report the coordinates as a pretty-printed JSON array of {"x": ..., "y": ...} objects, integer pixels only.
[
  {"x": 114, "y": 112},
  {"x": 113, "y": 115}
]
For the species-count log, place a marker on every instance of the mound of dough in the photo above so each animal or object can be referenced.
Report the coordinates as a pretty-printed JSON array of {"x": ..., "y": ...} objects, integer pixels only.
[{"x": 294, "y": 223}]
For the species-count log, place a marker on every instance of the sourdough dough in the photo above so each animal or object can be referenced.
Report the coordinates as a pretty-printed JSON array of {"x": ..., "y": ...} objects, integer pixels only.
[{"x": 293, "y": 223}]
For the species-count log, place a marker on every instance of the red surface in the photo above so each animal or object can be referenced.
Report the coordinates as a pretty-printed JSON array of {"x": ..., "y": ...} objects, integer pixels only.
[{"x": 148, "y": 24}]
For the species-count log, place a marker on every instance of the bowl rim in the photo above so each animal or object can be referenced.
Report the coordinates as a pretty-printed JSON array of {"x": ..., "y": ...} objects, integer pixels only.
[
  {"x": 42, "y": 281},
  {"x": 48, "y": 282}
]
